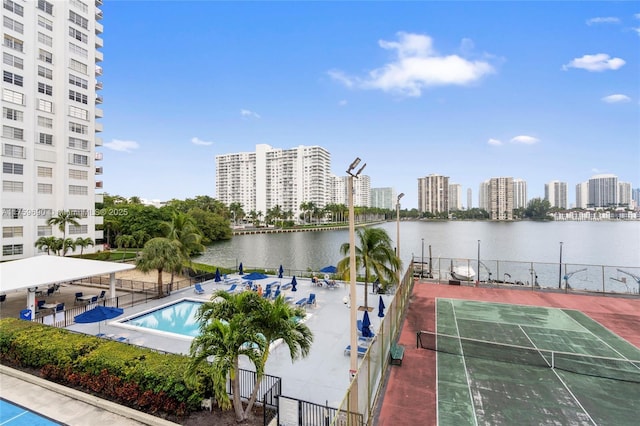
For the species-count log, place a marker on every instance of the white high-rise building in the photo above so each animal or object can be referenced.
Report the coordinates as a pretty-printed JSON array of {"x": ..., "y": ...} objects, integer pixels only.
[
  {"x": 50, "y": 52},
  {"x": 455, "y": 196},
  {"x": 603, "y": 191},
  {"x": 383, "y": 198},
  {"x": 501, "y": 198},
  {"x": 582, "y": 195},
  {"x": 520, "y": 199},
  {"x": 433, "y": 194},
  {"x": 469, "y": 199},
  {"x": 555, "y": 192},
  {"x": 271, "y": 177},
  {"x": 624, "y": 194},
  {"x": 361, "y": 191},
  {"x": 483, "y": 196}
]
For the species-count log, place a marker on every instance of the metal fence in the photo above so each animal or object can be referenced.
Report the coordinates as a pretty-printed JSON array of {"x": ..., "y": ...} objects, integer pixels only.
[{"x": 567, "y": 277}]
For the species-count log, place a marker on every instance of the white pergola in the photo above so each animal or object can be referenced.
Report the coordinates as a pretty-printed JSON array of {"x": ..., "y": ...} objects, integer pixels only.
[{"x": 43, "y": 271}]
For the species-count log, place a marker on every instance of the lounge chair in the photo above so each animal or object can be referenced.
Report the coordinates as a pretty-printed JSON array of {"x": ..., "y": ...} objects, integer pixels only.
[
  {"x": 232, "y": 289},
  {"x": 302, "y": 302},
  {"x": 3, "y": 297},
  {"x": 198, "y": 289},
  {"x": 276, "y": 294},
  {"x": 361, "y": 350},
  {"x": 312, "y": 299}
]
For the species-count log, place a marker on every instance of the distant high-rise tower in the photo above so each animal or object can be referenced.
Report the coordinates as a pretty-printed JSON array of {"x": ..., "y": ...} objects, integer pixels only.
[
  {"x": 624, "y": 194},
  {"x": 361, "y": 190},
  {"x": 635, "y": 197},
  {"x": 433, "y": 194},
  {"x": 455, "y": 196},
  {"x": 603, "y": 191},
  {"x": 273, "y": 177},
  {"x": 501, "y": 198},
  {"x": 483, "y": 196},
  {"x": 50, "y": 86},
  {"x": 519, "y": 194},
  {"x": 582, "y": 195},
  {"x": 555, "y": 192},
  {"x": 383, "y": 198},
  {"x": 469, "y": 199}
]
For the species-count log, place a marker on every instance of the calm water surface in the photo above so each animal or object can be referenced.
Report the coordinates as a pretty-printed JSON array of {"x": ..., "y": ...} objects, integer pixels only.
[{"x": 597, "y": 243}]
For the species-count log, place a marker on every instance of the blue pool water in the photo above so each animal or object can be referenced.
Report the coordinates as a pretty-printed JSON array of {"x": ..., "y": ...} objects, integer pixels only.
[
  {"x": 178, "y": 318},
  {"x": 15, "y": 415}
]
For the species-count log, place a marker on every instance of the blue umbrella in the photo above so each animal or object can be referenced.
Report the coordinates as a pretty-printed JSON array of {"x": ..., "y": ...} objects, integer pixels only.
[
  {"x": 293, "y": 284},
  {"x": 381, "y": 307},
  {"x": 97, "y": 314},
  {"x": 254, "y": 276},
  {"x": 366, "y": 323},
  {"x": 280, "y": 272},
  {"x": 329, "y": 270},
  {"x": 217, "y": 279},
  {"x": 240, "y": 268}
]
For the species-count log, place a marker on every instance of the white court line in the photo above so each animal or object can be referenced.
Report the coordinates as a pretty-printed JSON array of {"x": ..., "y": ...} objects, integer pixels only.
[
  {"x": 466, "y": 373},
  {"x": 437, "y": 356},
  {"x": 560, "y": 378}
]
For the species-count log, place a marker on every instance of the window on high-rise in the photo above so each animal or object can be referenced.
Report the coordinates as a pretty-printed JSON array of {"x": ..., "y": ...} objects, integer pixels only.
[
  {"x": 78, "y": 66},
  {"x": 78, "y": 190},
  {"x": 45, "y": 122},
  {"x": 78, "y": 81},
  {"x": 14, "y": 151},
  {"x": 78, "y": 174},
  {"x": 45, "y": 23},
  {"x": 46, "y": 89},
  {"x": 12, "y": 114},
  {"x": 43, "y": 105},
  {"x": 13, "y": 43},
  {"x": 78, "y": 113},
  {"x": 12, "y": 96},
  {"x": 12, "y": 231},
  {"x": 45, "y": 39},
  {"x": 45, "y": 56},
  {"x": 45, "y": 6},
  {"x": 78, "y": 20},
  {"x": 12, "y": 6},
  {"x": 12, "y": 24},
  {"x": 12, "y": 249},
  {"x": 78, "y": 50},
  {"x": 45, "y": 172},
  {"x": 77, "y": 143},
  {"x": 45, "y": 72},
  {"x": 12, "y": 133},
  {"x": 78, "y": 35},
  {"x": 45, "y": 139},
  {"x": 78, "y": 128},
  {"x": 78, "y": 97},
  {"x": 12, "y": 186},
  {"x": 14, "y": 61},
  {"x": 45, "y": 188},
  {"x": 9, "y": 77},
  {"x": 12, "y": 168},
  {"x": 81, "y": 160}
]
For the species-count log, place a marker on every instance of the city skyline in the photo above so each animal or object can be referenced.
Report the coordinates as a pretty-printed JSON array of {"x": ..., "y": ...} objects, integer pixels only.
[{"x": 411, "y": 88}]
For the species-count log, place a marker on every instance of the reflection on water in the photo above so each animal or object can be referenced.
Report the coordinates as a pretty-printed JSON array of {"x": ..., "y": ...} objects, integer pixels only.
[{"x": 179, "y": 318}]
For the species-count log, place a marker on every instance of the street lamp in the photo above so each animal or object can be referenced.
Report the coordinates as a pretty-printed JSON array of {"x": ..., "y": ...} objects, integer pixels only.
[
  {"x": 560, "y": 272},
  {"x": 478, "y": 277},
  {"x": 422, "y": 261},
  {"x": 353, "y": 364},
  {"x": 398, "y": 230}
]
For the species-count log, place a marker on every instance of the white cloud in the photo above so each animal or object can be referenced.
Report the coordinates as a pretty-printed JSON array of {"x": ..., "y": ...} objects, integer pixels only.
[
  {"x": 494, "y": 142},
  {"x": 122, "y": 146},
  {"x": 603, "y": 20},
  {"x": 525, "y": 140},
  {"x": 342, "y": 102},
  {"x": 612, "y": 99},
  {"x": 249, "y": 113},
  {"x": 637, "y": 16},
  {"x": 597, "y": 62},
  {"x": 417, "y": 66},
  {"x": 198, "y": 141}
]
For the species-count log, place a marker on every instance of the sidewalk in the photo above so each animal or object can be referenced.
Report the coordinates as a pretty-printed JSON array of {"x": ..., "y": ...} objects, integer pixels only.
[{"x": 67, "y": 405}]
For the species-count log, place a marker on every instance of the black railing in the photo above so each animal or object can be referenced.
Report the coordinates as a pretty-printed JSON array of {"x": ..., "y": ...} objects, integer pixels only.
[{"x": 297, "y": 411}]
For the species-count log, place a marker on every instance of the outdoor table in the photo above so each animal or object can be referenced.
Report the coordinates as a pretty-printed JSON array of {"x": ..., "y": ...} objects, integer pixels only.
[
  {"x": 87, "y": 298},
  {"x": 51, "y": 306}
]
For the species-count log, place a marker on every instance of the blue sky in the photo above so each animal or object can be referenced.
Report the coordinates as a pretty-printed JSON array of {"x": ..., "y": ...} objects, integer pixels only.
[{"x": 471, "y": 90}]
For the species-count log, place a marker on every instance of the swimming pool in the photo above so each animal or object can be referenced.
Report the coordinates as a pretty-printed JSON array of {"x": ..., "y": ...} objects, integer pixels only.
[
  {"x": 12, "y": 414},
  {"x": 176, "y": 318}
]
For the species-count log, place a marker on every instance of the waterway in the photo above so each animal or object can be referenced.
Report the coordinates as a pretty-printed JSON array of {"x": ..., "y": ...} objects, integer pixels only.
[{"x": 613, "y": 243}]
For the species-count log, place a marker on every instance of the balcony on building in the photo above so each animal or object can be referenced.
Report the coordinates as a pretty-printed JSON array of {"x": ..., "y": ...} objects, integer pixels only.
[
  {"x": 98, "y": 3},
  {"x": 98, "y": 99},
  {"x": 98, "y": 70},
  {"x": 98, "y": 156},
  {"x": 99, "y": 43},
  {"x": 98, "y": 85},
  {"x": 99, "y": 198},
  {"x": 99, "y": 184},
  {"x": 98, "y": 141},
  {"x": 99, "y": 56},
  {"x": 99, "y": 234},
  {"x": 99, "y": 15},
  {"x": 99, "y": 220},
  {"x": 99, "y": 170},
  {"x": 99, "y": 127},
  {"x": 99, "y": 113},
  {"x": 99, "y": 28}
]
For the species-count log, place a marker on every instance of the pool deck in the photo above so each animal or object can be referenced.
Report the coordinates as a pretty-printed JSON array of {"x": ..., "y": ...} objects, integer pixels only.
[{"x": 326, "y": 366}]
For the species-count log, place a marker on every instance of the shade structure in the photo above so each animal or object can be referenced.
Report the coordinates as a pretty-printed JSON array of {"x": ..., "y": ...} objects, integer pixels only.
[
  {"x": 381, "y": 307},
  {"x": 366, "y": 323},
  {"x": 97, "y": 314},
  {"x": 240, "y": 268},
  {"x": 254, "y": 276},
  {"x": 280, "y": 271},
  {"x": 217, "y": 279},
  {"x": 329, "y": 269},
  {"x": 294, "y": 283}
]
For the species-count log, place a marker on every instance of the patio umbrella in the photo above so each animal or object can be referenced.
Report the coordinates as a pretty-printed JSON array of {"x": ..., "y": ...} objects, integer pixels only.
[
  {"x": 240, "y": 268},
  {"x": 280, "y": 272},
  {"x": 381, "y": 307},
  {"x": 293, "y": 284},
  {"x": 366, "y": 323},
  {"x": 329, "y": 269},
  {"x": 217, "y": 279},
  {"x": 254, "y": 276},
  {"x": 98, "y": 314}
]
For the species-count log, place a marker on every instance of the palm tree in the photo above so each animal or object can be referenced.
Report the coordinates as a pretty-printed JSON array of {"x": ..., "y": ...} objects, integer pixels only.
[
  {"x": 84, "y": 243},
  {"x": 126, "y": 241},
  {"x": 183, "y": 230},
  {"x": 47, "y": 243},
  {"x": 160, "y": 254},
  {"x": 243, "y": 324},
  {"x": 237, "y": 211},
  {"x": 63, "y": 218},
  {"x": 67, "y": 244},
  {"x": 374, "y": 254}
]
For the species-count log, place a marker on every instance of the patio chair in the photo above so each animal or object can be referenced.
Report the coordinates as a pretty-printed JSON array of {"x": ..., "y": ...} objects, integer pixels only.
[
  {"x": 60, "y": 307},
  {"x": 276, "y": 294},
  {"x": 39, "y": 305},
  {"x": 50, "y": 291},
  {"x": 3, "y": 298},
  {"x": 102, "y": 295},
  {"x": 78, "y": 296},
  {"x": 198, "y": 289},
  {"x": 94, "y": 299}
]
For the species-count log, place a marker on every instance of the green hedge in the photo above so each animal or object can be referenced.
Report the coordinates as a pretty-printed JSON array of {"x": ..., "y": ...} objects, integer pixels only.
[{"x": 133, "y": 376}]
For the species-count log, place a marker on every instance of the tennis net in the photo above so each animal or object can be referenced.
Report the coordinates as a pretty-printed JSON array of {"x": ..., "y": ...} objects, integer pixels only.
[{"x": 597, "y": 366}]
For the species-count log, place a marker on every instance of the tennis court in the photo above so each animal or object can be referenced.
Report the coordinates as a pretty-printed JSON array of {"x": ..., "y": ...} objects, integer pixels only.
[
  {"x": 511, "y": 364},
  {"x": 15, "y": 415}
]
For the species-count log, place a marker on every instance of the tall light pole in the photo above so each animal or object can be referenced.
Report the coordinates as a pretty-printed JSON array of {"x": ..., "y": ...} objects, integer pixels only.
[
  {"x": 422, "y": 261},
  {"x": 478, "y": 277},
  {"x": 353, "y": 364},
  {"x": 398, "y": 231},
  {"x": 560, "y": 272}
]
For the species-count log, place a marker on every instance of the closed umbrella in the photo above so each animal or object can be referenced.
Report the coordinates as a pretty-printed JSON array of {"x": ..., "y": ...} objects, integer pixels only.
[
  {"x": 280, "y": 271},
  {"x": 240, "y": 268},
  {"x": 97, "y": 314},
  {"x": 293, "y": 284},
  {"x": 366, "y": 323},
  {"x": 217, "y": 279},
  {"x": 381, "y": 307}
]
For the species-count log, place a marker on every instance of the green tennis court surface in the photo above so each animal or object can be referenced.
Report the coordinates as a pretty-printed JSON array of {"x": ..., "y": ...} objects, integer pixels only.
[{"x": 501, "y": 364}]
